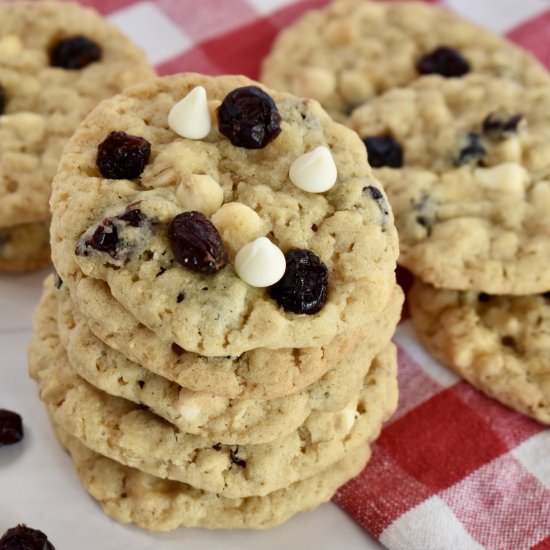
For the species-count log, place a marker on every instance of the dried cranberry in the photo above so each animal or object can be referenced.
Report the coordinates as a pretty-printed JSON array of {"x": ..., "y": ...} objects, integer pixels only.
[
  {"x": 11, "y": 427},
  {"x": 25, "y": 538},
  {"x": 303, "y": 287},
  {"x": 196, "y": 243},
  {"x": 383, "y": 151},
  {"x": 75, "y": 52},
  {"x": 443, "y": 61},
  {"x": 122, "y": 156},
  {"x": 472, "y": 150},
  {"x": 134, "y": 217},
  {"x": 499, "y": 125},
  {"x": 2, "y": 100},
  {"x": 249, "y": 118},
  {"x": 235, "y": 459},
  {"x": 105, "y": 238}
]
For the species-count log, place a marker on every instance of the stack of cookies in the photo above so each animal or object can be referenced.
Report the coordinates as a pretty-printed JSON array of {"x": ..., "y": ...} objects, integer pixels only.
[
  {"x": 57, "y": 61},
  {"x": 456, "y": 123},
  {"x": 214, "y": 349}
]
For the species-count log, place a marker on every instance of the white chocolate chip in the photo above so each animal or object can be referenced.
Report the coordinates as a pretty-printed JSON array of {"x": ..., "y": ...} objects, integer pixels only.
[
  {"x": 238, "y": 225},
  {"x": 196, "y": 408},
  {"x": 315, "y": 171},
  {"x": 540, "y": 196},
  {"x": 199, "y": 192},
  {"x": 347, "y": 419},
  {"x": 355, "y": 87},
  {"x": 508, "y": 150},
  {"x": 314, "y": 82},
  {"x": 180, "y": 159},
  {"x": 260, "y": 263},
  {"x": 190, "y": 117},
  {"x": 28, "y": 127},
  {"x": 10, "y": 46},
  {"x": 342, "y": 32},
  {"x": 508, "y": 177}
]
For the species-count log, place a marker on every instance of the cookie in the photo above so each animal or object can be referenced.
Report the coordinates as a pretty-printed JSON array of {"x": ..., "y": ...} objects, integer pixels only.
[
  {"x": 25, "y": 247},
  {"x": 350, "y": 51},
  {"x": 50, "y": 79},
  {"x": 175, "y": 267},
  {"x": 471, "y": 205},
  {"x": 131, "y": 496},
  {"x": 257, "y": 374},
  {"x": 244, "y": 421},
  {"x": 500, "y": 344},
  {"x": 131, "y": 435},
  {"x": 477, "y": 120}
]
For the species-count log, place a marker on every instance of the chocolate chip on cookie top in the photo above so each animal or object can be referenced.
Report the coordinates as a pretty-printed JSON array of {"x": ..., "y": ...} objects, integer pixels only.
[
  {"x": 11, "y": 427},
  {"x": 249, "y": 118},
  {"x": 75, "y": 52}
]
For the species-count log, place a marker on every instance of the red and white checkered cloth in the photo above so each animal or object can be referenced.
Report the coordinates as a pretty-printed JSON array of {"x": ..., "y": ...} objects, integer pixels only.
[{"x": 452, "y": 470}]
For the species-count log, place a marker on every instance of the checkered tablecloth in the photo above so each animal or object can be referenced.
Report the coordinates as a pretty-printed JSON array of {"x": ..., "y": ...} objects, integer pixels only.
[{"x": 452, "y": 470}]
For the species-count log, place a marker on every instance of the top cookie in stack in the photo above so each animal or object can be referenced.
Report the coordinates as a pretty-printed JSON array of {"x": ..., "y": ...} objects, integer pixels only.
[
  {"x": 119, "y": 224},
  {"x": 226, "y": 259},
  {"x": 57, "y": 61}
]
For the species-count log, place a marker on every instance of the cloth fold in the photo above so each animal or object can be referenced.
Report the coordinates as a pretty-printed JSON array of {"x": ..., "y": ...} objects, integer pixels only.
[{"x": 452, "y": 470}]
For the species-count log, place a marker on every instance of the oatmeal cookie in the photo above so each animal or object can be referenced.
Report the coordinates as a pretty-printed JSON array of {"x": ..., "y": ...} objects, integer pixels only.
[
  {"x": 500, "y": 344},
  {"x": 167, "y": 220},
  {"x": 57, "y": 61},
  {"x": 351, "y": 51}
]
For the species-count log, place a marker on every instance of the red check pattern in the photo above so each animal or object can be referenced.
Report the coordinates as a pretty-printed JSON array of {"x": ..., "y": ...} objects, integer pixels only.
[{"x": 452, "y": 469}]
